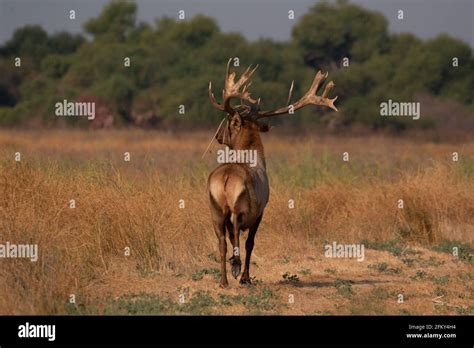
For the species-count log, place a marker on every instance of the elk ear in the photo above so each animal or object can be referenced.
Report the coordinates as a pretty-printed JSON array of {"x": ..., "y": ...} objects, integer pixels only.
[
  {"x": 236, "y": 122},
  {"x": 263, "y": 127}
]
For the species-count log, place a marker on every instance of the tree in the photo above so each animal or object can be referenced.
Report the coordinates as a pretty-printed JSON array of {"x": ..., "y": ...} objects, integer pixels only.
[
  {"x": 194, "y": 32},
  {"x": 29, "y": 42},
  {"x": 65, "y": 43},
  {"x": 115, "y": 22},
  {"x": 331, "y": 31}
]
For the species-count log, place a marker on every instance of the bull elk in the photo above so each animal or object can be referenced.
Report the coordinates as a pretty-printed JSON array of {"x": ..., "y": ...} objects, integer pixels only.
[{"x": 238, "y": 192}]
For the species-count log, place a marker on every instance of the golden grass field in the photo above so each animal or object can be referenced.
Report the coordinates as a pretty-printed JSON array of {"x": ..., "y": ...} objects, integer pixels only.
[{"x": 173, "y": 251}]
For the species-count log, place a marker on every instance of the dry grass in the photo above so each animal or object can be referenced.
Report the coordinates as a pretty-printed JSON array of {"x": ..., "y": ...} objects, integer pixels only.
[{"x": 136, "y": 204}]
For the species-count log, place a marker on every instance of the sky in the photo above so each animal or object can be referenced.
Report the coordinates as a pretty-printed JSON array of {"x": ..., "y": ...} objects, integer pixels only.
[{"x": 253, "y": 18}]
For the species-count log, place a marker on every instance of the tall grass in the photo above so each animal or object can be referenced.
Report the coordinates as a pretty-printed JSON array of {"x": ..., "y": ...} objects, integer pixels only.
[{"x": 135, "y": 204}]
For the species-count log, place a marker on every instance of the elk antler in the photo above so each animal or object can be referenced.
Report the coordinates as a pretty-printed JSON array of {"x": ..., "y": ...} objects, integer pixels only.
[
  {"x": 232, "y": 90},
  {"x": 309, "y": 98}
]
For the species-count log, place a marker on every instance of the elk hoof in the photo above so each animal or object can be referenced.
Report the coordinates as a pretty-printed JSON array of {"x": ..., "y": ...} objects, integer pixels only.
[
  {"x": 235, "y": 270},
  {"x": 224, "y": 285},
  {"x": 245, "y": 281}
]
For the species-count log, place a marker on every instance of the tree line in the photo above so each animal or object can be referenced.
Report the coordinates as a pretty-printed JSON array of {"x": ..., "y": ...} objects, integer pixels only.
[{"x": 141, "y": 73}]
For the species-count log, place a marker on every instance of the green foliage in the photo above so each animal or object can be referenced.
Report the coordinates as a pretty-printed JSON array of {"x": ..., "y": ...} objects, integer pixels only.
[
  {"x": 194, "y": 33},
  {"x": 201, "y": 303},
  {"x": 418, "y": 275},
  {"x": 344, "y": 287},
  {"x": 257, "y": 300},
  {"x": 462, "y": 250},
  {"x": 331, "y": 31},
  {"x": 290, "y": 278},
  {"x": 442, "y": 280},
  {"x": 115, "y": 22},
  {"x": 394, "y": 246},
  {"x": 65, "y": 43},
  {"x": 305, "y": 271},
  {"x": 172, "y": 62},
  {"x": 30, "y": 41},
  {"x": 383, "y": 267},
  {"x": 117, "y": 90},
  {"x": 202, "y": 272},
  {"x": 32, "y": 44},
  {"x": 55, "y": 66}
]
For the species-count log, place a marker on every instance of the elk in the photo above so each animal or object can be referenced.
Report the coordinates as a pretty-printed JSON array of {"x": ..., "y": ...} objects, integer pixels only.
[{"x": 238, "y": 193}]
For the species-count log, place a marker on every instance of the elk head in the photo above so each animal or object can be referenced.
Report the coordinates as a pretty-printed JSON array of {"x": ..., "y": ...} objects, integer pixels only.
[{"x": 246, "y": 115}]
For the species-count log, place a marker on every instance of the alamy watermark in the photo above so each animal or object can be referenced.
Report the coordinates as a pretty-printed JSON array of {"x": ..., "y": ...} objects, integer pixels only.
[
  {"x": 350, "y": 251},
  {"x": 28, "y": 330},
  {"x": 393, "y": 108},
  {"x": 68, "y": 108},
  {"x": 237, "y": 156},
  {"x": 24, "y": 251}
]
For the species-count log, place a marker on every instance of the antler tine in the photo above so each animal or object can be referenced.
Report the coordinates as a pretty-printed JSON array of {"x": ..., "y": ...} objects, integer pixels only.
[
  {"x": 328, "y": 88},
  {"x": 323, "y": 100},
  {"x": 290, "y": 92},
  {"x": 213, "y": 99},
  {"x": 310, "y": 97},
  {"x": 228, "y": 68},
  {"x": 232, "y": 89},
  {"x": 246, "y": 75},
  {"x": 324, "y": 96},
  {"x": 320, "y": 77}
]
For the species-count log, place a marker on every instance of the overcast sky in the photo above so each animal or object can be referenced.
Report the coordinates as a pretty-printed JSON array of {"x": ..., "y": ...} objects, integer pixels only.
[{"x": 253, "y": 18}]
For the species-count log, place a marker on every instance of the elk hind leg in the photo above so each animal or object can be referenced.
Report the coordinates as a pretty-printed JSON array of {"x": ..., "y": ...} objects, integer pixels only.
[
  {"x": 245, "y": 279},
  {"x": 235, "y": 259},
  {"x": 230, "y": 233},
  {"x": 219, "y": 228}
]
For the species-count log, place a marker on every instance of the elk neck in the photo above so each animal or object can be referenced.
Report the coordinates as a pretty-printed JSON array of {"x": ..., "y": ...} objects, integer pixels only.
[{"x": 249, "y": 139}]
